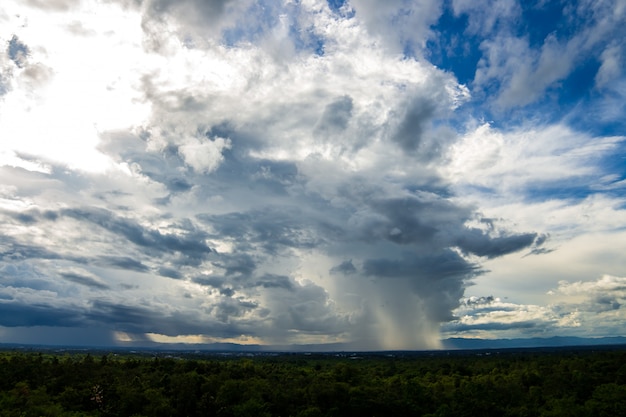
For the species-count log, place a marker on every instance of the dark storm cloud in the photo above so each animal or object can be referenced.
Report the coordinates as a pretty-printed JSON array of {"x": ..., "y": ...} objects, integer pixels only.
[
  {"x": 21, "y": 274},
  {"x": 240, "y": 264},
  {"x": 153, "y": 319},
  {"x": 177, "y": 185},
  {"x": 305, "y": 308},
  {"x": 411, "y": 219},
  {"x": 336, "y": 116},
  {"x": 228, "y": 292},
  {"x": 166, "y": 165},
  {"x": 271, "y": 228},
  {"x": 30, "y": 217},
  {"x": 312, "y": 316},
  {"x": 276, "y": 281},
  {"x": 121, "y": 262},
  {"x": 191, "y": 245},
  {"x": 84, "y": 280},
  {"x": 605, "y": 302},
  {"x": 210, "y": 280},
  {"x": 438, "y": 280},
  {"x": 14, "y": 313},
  {"x": 435, "y": 223},
  {"x": 427, "y": 268},
  {"x": 231, "y": 308},
  {"x": 477, "y": 242},
  {"x": 346, "y": 268},
  {"x": 12, "y": 250},
  {"x": 169, "y": 273},
  {"x": 409, "y": 133}
]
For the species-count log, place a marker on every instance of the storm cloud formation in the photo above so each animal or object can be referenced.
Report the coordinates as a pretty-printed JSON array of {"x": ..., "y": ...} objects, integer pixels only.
[{"x": 280, "y": 184}]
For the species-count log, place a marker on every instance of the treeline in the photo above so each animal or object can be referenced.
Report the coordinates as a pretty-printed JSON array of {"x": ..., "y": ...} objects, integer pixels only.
[{"x": 576, "y": 383}]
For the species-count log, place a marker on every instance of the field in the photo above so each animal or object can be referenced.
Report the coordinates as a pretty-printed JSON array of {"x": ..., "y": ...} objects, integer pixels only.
[{"x": 558, "y": 382}]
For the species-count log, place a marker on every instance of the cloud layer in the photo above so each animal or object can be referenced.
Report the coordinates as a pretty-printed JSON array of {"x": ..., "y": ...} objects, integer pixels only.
[{"x": 265, "y": 172}]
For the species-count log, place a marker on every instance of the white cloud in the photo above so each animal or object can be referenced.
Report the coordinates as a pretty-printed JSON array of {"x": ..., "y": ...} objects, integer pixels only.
[
  {"x": 484, "y": 15},
  {"x": 205, "y": 156},
  {"x": 399, "y": 22},
  {"x": 610, "y": 69},
  {"x": 581, "y": 308},
  {"x": 520, "y": 163},
  {"x": 72, "y": 87}
]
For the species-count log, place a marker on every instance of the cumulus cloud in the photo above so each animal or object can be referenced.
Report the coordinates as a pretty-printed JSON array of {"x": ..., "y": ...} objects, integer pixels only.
[
  {"x": 286, "y": 173},
  {"x": 204, "y": 157},
  {"x": 583, "y": 308}
]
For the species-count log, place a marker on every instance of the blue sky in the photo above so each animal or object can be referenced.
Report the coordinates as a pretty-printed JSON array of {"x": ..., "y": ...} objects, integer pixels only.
[{"x": 383, "y": 174}]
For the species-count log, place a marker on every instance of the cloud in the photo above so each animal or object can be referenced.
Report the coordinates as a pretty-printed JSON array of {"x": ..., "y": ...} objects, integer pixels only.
[
  {"x": 53, "y": 5},
  {"x": 203, "y": 16},
  {"x": 609, "y": 70},
  {"x": 346, "y": 267},
  {"x": 336, "y": 116},
  {"x": 527, "y": 161},
  {"x": 83, "y": 278},
  {"x": 402, "y": 24},
  {"x": 411, "y": 128},
  {"x": 589, "y": 308},
  {"x": 205, "y": 156},
  {"x": 288, "y": 172},
  {"x": 518, "y": 65}
]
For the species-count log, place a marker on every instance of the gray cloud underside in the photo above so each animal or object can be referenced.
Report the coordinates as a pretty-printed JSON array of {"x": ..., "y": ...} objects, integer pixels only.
[
  {"x": 84, "y": 280},
  {"x": 219, "y": 200},
  {"x": 117, "y": 317},
  {"x": 422, "y": 227}
]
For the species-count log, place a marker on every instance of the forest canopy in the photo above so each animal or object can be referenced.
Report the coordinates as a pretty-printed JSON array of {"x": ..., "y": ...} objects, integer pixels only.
[{"x": 573, "y": 383}]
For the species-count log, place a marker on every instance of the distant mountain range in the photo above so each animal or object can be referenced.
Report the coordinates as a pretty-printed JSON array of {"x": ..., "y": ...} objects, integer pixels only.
[
  {"x": 557, "y": 341},
  {"x": 447, "y": 344}
]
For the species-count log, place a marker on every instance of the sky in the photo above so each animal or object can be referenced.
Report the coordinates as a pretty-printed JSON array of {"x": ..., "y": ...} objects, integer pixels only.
[{"x": 380, "y": 174}]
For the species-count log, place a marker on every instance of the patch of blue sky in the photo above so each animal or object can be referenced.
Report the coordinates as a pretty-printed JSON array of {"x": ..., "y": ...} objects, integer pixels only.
[
  {"x": 4, "y": 87},
  {"x": 614, "y": 163},
  {"x": 600, "y": 114},
  {"x": 305, "y": 39},
  {"x": 17, "y": 51},
  {"x": 542, "y": 19},
  {"x": 453, "y": 50},
  {"x": 571, "y": 190},
  {"x": 264, "y": 16},
  {"x": 335, "y": 5},
  {"x": 579, "y": 83}
]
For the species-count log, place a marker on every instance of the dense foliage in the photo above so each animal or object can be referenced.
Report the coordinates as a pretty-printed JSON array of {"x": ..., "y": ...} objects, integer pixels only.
[{"x": 565, "y": 383}]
